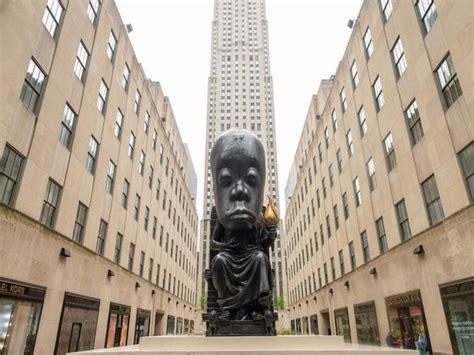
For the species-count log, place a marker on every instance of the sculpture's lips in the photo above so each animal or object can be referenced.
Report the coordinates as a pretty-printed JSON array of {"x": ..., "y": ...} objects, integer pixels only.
[{"x": 241, "y": 214}]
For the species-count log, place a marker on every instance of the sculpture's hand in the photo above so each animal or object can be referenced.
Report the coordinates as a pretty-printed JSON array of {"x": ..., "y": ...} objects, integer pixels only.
[{"x": 269, "y": 235}]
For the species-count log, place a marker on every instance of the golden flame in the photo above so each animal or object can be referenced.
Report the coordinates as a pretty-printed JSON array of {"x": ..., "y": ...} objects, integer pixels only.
[{"x": 270, "y": 216}]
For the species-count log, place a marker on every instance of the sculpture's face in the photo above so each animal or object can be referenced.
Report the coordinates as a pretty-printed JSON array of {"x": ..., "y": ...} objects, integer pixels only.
[{"x": 238, "y": 169}]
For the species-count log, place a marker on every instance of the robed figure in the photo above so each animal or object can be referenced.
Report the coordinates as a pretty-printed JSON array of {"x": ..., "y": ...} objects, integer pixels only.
[{"x": 241, "y": 270}]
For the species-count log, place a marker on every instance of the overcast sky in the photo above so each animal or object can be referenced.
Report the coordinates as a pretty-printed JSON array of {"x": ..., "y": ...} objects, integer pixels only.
[{"x": 172, "y": 40}]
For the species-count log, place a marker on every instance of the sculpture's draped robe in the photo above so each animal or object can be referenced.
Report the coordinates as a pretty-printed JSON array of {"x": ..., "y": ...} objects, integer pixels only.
[{"x": 241, "y": 273}]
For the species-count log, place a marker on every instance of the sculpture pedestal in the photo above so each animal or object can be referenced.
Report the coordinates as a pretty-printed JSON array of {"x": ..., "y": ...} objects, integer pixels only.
[{"x": 265, "y": 345}]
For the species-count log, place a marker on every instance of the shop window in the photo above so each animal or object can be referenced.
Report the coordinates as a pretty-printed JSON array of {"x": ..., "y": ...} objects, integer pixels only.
[
  {"x": 170, "y": 325},
  {"x": 366, "y": 324},
  {"x": 341, "y": 318},
  {"x": 117, "y": 328},
  {"x": 458, "y": 303},
  {"x": 20, "y": 312},
  {"x": 142, "y": 326},
  {"x": 313, "y": 320},
  {"x": 407, "y": 322},
  {"x": 78, "y": 324}
]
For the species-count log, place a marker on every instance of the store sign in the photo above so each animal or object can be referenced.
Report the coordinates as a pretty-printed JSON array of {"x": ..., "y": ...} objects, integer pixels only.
[
  {"x": 412, "y": 298},
  {"x": 81, "y": 302},
  {"x": 465, "y": 287},
  {"x": 17, "y": 290}
]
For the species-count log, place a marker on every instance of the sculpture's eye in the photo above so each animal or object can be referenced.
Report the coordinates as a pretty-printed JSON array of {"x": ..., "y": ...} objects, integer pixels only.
[
  {"x": 252, "y": 178},
  {"x": 225, "y": 178}
]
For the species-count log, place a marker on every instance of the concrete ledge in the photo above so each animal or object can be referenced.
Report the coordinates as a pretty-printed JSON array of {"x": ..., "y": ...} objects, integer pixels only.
[{"x": 290, "y": 345}]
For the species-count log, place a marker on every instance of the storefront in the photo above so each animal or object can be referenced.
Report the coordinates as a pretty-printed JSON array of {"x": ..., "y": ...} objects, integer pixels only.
[
  {"x": 179, "y": 326},
  {"x": 78, "y": 324},
  {"x": 142, "y": 325},
  {"x": 20, "y": 313},
  {"x": 407, "y": 321},
  {"x": 170, "y": 325},
  {"x": 117, "y": 328},
  {"x": 342, "y": 324},
  {"x": 313, "y": 320},
  {"x": 298, "y": 326},
  {"x": 458, "y": 303},
  {"x": 305, "y": 325},
  {"x": 366, "y": 324}
]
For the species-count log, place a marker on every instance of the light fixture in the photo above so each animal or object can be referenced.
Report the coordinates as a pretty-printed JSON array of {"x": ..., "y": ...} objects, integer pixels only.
[
  {"x": 65, "y": 253},
  {"x": 169, "y": 299},
  {"x": 419, "y": 250},
  {"x": 137, "y": 285},
  {"x": 315, "y": 299},
  {"x": 351, "y": 23},
  {"x": 110, "y": 273},
  {"x": 129, "y": 28},
  {"x": 373, "y": 271},
  {"x": 152, "y": 292},
  {"x": 346, "y": 283},
  {"x": 331, "y": 291}
]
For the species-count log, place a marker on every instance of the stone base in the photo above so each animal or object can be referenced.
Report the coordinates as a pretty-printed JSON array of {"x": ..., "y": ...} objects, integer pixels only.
[{"x": 284, "y": 345}]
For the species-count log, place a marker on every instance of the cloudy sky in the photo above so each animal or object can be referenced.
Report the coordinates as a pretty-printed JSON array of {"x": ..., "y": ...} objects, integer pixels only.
[{"x": 172, "y": 40}]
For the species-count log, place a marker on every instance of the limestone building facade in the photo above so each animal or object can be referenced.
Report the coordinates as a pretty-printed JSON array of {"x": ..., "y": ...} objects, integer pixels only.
[
  {"x": 240, "y": 94},
  {"x": 98, "y": 230},
  {"x": 379, "y": 216}
]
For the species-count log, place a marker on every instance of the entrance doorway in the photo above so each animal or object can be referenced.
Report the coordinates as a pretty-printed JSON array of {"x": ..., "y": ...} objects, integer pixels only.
[
  {"x": 325, "y": 322},
  {"x": 158, "y": 324}
]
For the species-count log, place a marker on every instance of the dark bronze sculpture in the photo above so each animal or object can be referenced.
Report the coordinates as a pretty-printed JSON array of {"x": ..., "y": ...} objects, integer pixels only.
[{"x": 240, "y": 276}]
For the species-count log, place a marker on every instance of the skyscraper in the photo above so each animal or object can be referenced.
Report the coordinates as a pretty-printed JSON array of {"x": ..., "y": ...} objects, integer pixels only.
[{"x": 240, "y": 94}]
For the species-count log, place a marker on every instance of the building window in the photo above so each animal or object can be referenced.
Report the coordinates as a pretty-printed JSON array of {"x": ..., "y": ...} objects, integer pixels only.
[
  {"x": 142, "y": 263},
  {"x": 102, "y": 98},
  {"x": 155, "y": 225},
  {"x": 333, "y": 269},
  {"x": 427, "y": 12},
  {"x": 80, "y": 223},
  {"x": 10, "y": 167},
  {"x": 141, "y": 166},
  {"x": 350, "y": 143},
  {"x": 137, "y": 207},
  {"x": 414, "y": 123},
  {"x": 92, "y": 155},
  {"x": 125, "y": 77},
  {"x": 371, "y": 172},
  {"x": 402, "y": 219},
  {"x": 326, "y": 137},
  {"x": 52, "y": 16},
  {"x": 336, "y": 217},
  {"x": 339, "y": 160},
  {"x": 331, "y": 175},
  {"x": 131, "y": 145},
  {"x": 432, "y": 200},
  {"x": 341, "y": 262},
  {"x": 378, "y": 93},
  {"x": 365, "y": 246},
  {"x": 390, "y": 152},
  {"x": 154, "y": 138},
  {"x": 362, "y": 121},
  {"x": 386, "y": 6},
  {"x": 354, "y": 74},
  {"x": 147, "y": 218},
  {"x": 109, "y": 181},
  {"x": 67, "y": 125},
  {"x": 466, "y": 158},
  {"x": 118, "y": 248},
  {"x": 50, "y": 203},
  {"x": 100, "y": 247},
  {"x": 358, "y": 198},
  {"x": 334, "y": 120},
  {"x": 380, "y": 227},
  {"x": 126, "y": 188},
  {"x": 399, "y": 57},
  {"x": 93, "y": 10},
  {"x": 150, "y": 177},
  {"x": 111, "y": 46},
  {"x": 368, "y": 45},
  {"x": 80, "y": 64},
  {"x": 131, "y": 256},
  {"x": 32, "y": 87},
  {"x": 352, "y": 255},
  {"x": 343, "y": 98},
  {"x": 448, "y": 81},
  {"x": 345, "y": 203},
  {"x": 118, "y": 124},
  {"x": 146, "y": 123},
  {"x": 138, "y": 100}
]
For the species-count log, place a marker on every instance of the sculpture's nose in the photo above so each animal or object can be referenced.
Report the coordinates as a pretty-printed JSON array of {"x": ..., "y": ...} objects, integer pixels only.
[{"x": 240, "y": 192}]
